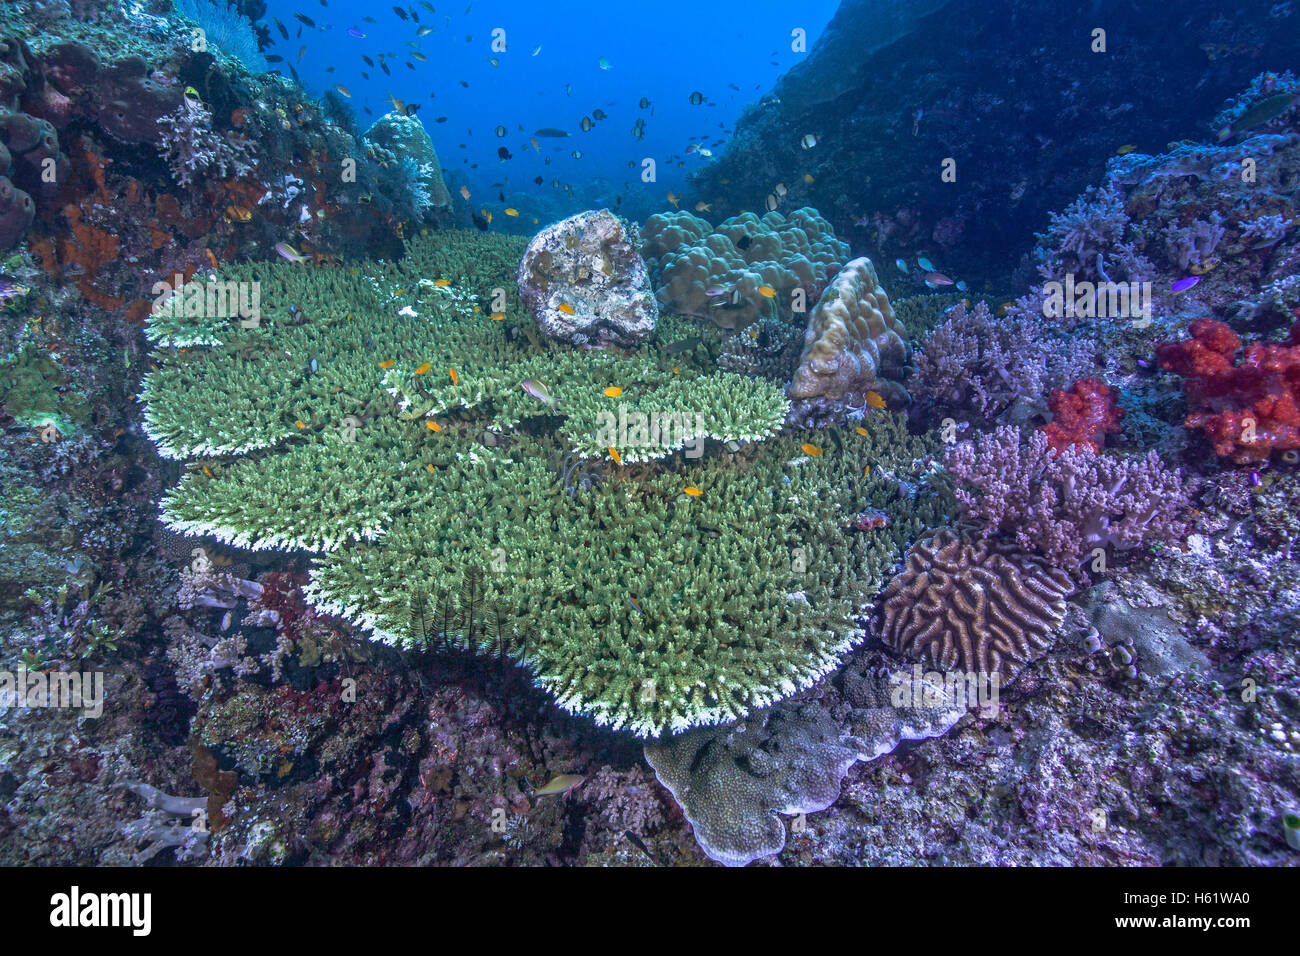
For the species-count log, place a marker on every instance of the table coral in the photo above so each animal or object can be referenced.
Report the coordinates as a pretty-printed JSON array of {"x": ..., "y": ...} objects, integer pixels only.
[
  {"x": 1248, "y": 408},
  {"x": 635, "y": 603}
]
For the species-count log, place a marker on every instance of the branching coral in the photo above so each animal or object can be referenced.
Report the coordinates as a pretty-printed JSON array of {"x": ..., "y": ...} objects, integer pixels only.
[
  {"x": 1063, "y": 505},
  {"x": 1248, "y": 408},
  {"x": 191, "y": 147},
  {"x": 976, "y": 362}
]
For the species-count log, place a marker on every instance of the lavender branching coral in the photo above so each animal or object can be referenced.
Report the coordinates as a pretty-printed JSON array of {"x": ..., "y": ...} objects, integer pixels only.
[
  {"x": 1088, "y": 240},
  {"x": 975, "y": 362},
  {"x": 191, "y": 146},
  {"x": 1062, "y": 506}
]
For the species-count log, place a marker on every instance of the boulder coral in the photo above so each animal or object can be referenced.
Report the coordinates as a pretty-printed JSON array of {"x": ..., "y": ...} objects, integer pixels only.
[
  {"x": 853, "y": 345},
  {"x": 746, "y": 269}
]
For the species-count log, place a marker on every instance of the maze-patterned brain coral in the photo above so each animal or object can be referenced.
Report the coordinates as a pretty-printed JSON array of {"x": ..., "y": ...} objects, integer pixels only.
[{"x": 970, "y": 605}]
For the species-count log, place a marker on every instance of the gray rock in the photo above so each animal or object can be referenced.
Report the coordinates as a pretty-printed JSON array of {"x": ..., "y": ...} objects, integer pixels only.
[{"x": 588, "y": 264}]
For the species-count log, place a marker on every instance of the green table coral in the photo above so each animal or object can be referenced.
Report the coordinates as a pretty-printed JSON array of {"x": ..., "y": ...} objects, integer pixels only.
[{"x": 439, "y": 517}]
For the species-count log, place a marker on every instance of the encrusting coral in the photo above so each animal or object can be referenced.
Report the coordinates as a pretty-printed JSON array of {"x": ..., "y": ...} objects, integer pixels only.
[
  {"x": 972, "y": 605},
  {"x": 397, "y": 439}
]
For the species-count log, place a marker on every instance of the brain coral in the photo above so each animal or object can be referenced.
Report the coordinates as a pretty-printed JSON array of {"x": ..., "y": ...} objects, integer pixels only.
[
  {"x": 437, "y": 516},
  {"x": 716, "y": 274},
  {"x": 853, "y": 344},
  {"x": 973, "y": 606}
]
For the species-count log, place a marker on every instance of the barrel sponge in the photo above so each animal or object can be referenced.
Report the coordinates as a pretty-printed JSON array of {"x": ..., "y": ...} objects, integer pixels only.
[
  {"x": 973, "y": 605},
  {"x": 690, "y": 259},
  {"x": 853, "y": 341}
]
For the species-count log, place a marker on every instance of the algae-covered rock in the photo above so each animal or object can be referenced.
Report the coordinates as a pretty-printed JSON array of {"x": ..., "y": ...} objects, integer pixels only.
[{"x": 585, "y": 283}]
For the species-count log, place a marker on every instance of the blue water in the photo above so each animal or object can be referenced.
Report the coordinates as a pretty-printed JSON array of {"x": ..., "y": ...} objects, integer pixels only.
[{"x": 663, "y": 51}]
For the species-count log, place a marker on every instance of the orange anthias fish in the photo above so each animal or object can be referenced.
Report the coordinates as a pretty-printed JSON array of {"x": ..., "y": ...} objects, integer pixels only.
[
  {"x": 455, "y": 379},
  {"x": 692, "y": 491},
  {"x": 613, "y": 391},
  {"x": 433, "y": 426},
  {"x": 424, "y": 368},
  {"x": 464, "y": 191},
  {"x": 300, "y": 423},
  {"x": 812, "y": 450},
  {"x": 875, "y": 400},
  {"x": 387, "y": 363},
  {"x": 861, "y": 431},
  {"x": 613, "y": 453},
  {"x": 498, "y": 316},
  {"x": 566, "y": 308},
  {"x": 442, "y": 283}
]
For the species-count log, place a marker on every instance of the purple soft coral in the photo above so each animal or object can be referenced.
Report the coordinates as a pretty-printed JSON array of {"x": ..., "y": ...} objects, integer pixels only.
[{"x": 1063, "y": 506}]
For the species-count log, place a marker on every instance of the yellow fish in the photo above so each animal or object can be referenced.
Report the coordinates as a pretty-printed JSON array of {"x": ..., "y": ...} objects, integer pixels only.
[
  {"x": 424, "y": 368},
  {"x": 808, "y": 178},
  {"x": 613, "y": 391},
  {"x": 866, "y": 470},
  {"x": 566, "y": 308},
  {"x": 1125, "y": 149},
  {"x": 766, "y": 291},
  {"x": 861, "y": 431},
  {"x": 498, "y": 316},
  {"x": 613, "y": 453},
  {"x": 387, "y": 364},
  {"x": 875, "y": 400},
  {"x": 207, "y": 471},
  {"x": 692, "y": 491},
  {"x": 442, "y": 283},
  {"x": 812, "y": 450},
  {"x": 430, "y": 467},
  {"x": 674, "y": 198},
  {"x": 560, "y": 785},
  {"x": 300, "y": 423},
  {"x": 511, "y": 211},
  {"x": 432, "y": 426},
  {"x": 455, "y": 379},
  {"x": 677, "y": 370}
]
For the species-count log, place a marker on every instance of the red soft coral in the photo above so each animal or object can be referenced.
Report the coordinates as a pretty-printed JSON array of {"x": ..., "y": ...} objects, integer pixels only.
[
  {"x": 1082, "y": 416},
  {"x": 1248, "y": 409}
]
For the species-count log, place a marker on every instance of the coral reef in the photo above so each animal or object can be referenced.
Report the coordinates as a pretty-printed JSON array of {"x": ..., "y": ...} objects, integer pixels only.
[
  {"x": 1064, "y": 506},
  {"x": 396, "y": 139},
  {"x": 644, "y": 640},
  {"x": 1249, "y": 408},
  {"x": 973, "y": 606},
  {"x": 852, "y": 346},
  {"x": 746, "y": 269},
  {"x": 584, "y": 282}
]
